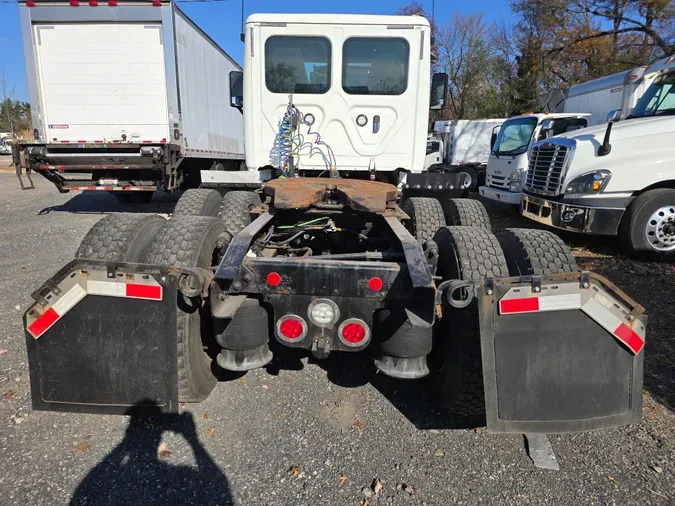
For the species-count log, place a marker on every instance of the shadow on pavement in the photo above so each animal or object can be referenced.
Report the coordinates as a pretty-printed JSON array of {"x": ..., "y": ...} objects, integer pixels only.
[
  {"x": 94, "y": 202},
  {"x": 132, "y": 473}
]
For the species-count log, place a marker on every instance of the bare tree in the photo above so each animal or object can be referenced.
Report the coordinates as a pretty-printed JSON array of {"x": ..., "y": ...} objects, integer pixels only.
[{"x": 7, "y": 91}]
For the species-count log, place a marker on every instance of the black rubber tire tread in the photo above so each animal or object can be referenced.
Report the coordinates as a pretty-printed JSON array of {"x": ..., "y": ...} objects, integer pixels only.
[
  {"x": 535, "y": 252},
  {"x": 466, "y": 213},
  {"x": 133, "y": 197},
  {"x": 631, "y": 231},
  {"x": 120, "y": 237},
  {"x": 236, "y": 210},
  {"x": 199, "y": 202},
  {"x": 189, "y": 241},
  {"x": 467, "y": 253},
  {"x": 426, "y": 217}
]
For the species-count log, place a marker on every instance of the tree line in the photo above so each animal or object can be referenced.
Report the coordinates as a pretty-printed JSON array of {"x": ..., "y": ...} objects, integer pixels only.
[{"x": 498, "y": 70}]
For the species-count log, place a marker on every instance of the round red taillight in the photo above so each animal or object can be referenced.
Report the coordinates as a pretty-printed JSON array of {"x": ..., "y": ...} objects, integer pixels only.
[
  {"x": 354, "y": 332},
  {"x": 273, "y": 279},
  {"x": 375, "y": 284},
  {"x": 291, "y": 328}
]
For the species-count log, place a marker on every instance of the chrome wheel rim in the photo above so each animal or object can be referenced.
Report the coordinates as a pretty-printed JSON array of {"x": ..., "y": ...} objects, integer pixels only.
[{"x": 660, "y": 229}]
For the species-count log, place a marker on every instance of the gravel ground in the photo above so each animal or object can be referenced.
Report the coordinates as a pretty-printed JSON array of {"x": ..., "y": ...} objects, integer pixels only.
[{"x": 304, "y": 432}]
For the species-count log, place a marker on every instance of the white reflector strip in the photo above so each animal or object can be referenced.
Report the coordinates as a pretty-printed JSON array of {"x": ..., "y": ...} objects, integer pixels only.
[
  {"x": 560, "y": 302},
  {"x": 67, "y": 301},
  {"x": 109, "y": 288}
]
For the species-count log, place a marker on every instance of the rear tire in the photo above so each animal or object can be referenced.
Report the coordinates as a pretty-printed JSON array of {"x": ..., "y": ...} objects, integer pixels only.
[
  {"x": 199, "y": 202},
  {"x": 133, "y": 197},
  {"x": 190, "y": 241},
  {"x": 466, "y": 213},
  {"x": 466, "y": 253},
  {"x": 426, "y": 217},
  {"x": 236, "y": 210},
  {"x": 535, "y": 252},
  {"x": 649, "y": 223},
  {"x": 120, "y": 237}
]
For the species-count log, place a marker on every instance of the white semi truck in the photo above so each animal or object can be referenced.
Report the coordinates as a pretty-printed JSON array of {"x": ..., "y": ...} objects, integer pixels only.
[
  {"x": 614, "y": 179},
  {"x": 126, "y": 97},
  {"x": 585, "y": 104}
]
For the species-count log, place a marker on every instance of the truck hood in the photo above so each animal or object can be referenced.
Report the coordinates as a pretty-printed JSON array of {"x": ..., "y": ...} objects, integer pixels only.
[{"x": 626, "y": 129}]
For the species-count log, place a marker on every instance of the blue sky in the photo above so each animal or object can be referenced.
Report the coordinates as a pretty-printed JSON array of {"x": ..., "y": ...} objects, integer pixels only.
[{"x": 222, "y": 21}]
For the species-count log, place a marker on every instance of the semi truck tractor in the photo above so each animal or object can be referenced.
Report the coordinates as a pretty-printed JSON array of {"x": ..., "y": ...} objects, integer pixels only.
[
  {"x": 505, "y": 328},
  {"x": 613, "y": 179},
  {"x": 585, "y": 104},
  {"x": 126, "y": 97}
]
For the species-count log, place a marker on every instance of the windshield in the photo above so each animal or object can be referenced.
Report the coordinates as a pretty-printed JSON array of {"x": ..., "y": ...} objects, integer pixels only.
[
  {"x": 658, "y": 100},
  {"x": 514, "y": 136}
]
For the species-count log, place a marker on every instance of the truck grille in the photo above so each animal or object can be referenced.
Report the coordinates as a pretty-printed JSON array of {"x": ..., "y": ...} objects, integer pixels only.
[
  {"x": 500, "y": 182},
  {"x": 546, "y": 169}
]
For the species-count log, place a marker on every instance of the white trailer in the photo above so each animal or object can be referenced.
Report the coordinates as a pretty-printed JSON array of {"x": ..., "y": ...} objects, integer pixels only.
[{"x": 126, "y": 96}]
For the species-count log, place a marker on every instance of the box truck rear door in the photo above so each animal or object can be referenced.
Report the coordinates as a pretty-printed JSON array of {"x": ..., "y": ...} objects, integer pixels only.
[{"x": 102, "y": 81}]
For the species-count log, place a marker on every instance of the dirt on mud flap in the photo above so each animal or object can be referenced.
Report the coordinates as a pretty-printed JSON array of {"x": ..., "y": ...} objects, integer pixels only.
[
  {"x": 561, "y": 353},
  {"x": 363, "y": 196}
]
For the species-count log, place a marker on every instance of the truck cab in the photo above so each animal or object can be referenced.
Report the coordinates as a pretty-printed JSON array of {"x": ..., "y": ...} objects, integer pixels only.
[
  {"x": 509, "y": 158},
  {"x": 617, "y": 178}
]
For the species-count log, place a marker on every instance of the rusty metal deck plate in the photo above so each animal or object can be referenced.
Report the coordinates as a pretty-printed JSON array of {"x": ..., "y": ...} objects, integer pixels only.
[{"x": 358, "y": 194}]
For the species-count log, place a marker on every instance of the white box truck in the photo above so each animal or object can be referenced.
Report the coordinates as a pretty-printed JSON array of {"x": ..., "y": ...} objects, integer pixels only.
[
  {"x": 585, "y": 104},
  {"x": 614, "y": 179},
  {"x": 126, "y": 97}
]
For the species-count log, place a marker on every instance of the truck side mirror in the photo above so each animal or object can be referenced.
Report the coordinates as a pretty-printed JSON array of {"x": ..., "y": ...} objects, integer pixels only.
[
  {"x": 493, "y": 137},
  {"x": 237, "y": 89},
  {"x": 546, "y": 129},
  {"x": 613, "y": 116},
  {"x": 439, "y": 90}
]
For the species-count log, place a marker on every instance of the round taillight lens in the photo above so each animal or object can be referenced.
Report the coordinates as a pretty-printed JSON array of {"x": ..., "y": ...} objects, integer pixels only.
[
  {"x": 273, "y": 279},
  {"x": 291, "y": 328},
  {"x": 375, "y": 284},
  {"x": 354, "y": 332}
]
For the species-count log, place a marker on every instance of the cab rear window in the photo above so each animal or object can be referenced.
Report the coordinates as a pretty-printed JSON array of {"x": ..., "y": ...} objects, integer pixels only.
[
  {"x": 297, "y": 64},
  {"x": 375, "y": 66}
]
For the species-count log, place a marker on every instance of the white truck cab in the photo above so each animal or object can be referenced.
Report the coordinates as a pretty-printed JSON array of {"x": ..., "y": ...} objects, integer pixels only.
[
  {"x": 613, "y": 179},
  {"x": 510, "y": 153}
]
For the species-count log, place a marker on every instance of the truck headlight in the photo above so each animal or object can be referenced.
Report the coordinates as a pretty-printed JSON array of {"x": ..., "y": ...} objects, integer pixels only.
[
  {"x": 591, "y": 182},
  {"x": 516, "y": 181}
]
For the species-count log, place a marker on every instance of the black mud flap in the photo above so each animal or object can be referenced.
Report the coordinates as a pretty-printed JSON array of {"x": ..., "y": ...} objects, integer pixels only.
[
  {"x": 562, "y": 353},
  {"x": 102, "y": 339}
]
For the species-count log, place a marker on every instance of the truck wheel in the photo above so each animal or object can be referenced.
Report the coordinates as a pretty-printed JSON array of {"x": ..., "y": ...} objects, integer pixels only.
[
  {"x": 133, "y": 197},
  {"x": 426, "y": 217},
  {"x": 466, "y": 213},
  {"x": 236, "y": 210},
  {"x": 648, "y": 228},
  {"x": 198, "y": 202},
  {"x": 529, "y": 251},
  {"x": 190, "y": 241},
  {"x": 120, "y": 237},
  {"x": 472, "y": 254}
]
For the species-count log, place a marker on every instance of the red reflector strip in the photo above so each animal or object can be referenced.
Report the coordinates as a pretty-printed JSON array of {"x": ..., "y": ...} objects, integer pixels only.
[
  {"x": 526, "y": 305},
  {"x": 153, "y": 292},
  {"x": 629, "y": 337},
  {"x": 46, "y": 320}
]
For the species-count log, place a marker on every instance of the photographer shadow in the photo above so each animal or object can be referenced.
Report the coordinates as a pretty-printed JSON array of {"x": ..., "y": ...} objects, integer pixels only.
[{"x": 134, "y": 473}]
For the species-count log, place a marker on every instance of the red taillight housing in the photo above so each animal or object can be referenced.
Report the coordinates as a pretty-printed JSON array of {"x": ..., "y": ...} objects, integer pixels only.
[
  {"x": 112, "y": 3},
  {"x": 36, "y": 134},
  {"x": 375, "y": 284},
  {"x": 157, "y": 3},
  {"x": 74, "y": 3},
  {"x": 273, "y": 279},
  {"x": 354, "y": 332},
  {"x": 93, "y": 3},
  {"x": 30, "y": 4},
  {"x": 291, "y": 328},
  {"x": 176, "y": 134}
]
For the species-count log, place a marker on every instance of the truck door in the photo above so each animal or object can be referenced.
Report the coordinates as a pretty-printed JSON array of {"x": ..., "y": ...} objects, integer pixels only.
[{"x": 360, "y": 94}]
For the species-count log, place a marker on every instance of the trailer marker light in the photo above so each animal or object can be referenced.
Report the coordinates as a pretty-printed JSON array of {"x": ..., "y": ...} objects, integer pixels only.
[
  {"x": 112, "y": 3},
  {"x": 375, "y": 284},
  {"x": 74, "y": 3},
  {"x": 353, "y": 332},
  {"x": 273, "y": 279},
  {"x": 30, "y": 4},
  {"x": 93, "y": 3},
  {"x": 291, "y": 328},
  {"x": 157, "y": 3}
]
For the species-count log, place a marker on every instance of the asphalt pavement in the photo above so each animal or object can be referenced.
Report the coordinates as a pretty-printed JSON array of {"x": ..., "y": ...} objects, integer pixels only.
[{"x": 299, "y": 433}]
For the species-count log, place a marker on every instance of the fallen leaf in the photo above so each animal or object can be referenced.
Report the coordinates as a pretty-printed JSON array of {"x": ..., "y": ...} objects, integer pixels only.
[
  {"x": 8, "y": 396},
  {"x": 18, "y": 420},
  {"x": 342, "y": 479},
  {"x": 439, "y": 453},
  {"x": 242, "y": 379},
  {"x": 365, "y": 502},
  {"x": 613, "y": 481},
  {"x": 293, "y": 472},
  {"x": 206, "y": 415},
  {"x": 658, "y": 469},
  {"x": 3, "y": 351},
  {"x": 82, "y": 448},
  {"x": 163, "y": 450},
  {"x": 212, "y": 432},
  {"x": 282, "y": 416},
  {"x": 377, "y": 486},
  {"x": 358, "y": 423}
]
